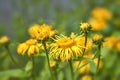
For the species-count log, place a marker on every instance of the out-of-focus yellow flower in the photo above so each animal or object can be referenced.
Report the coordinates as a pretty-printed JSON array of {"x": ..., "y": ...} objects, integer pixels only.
[
  {"x": 97, "y": 24},
  {"x": 86, "y": 77},
  {"x": 52, "y": 63},
  {"x": 113, "y": 78},
  {"x": 40, "y": 32},
  {"x": 100, "y": 63},
  {"x": 31, "y": 46},
  {"x": 86, "y": 68},
  {"x": 66, "y": 47},
  {"x": 110, "y": 42},
  {"x": 118, "y": 45},
  {"x": 97, "y": 37},
  {"x": 81, "y": 41},
  {"x": 4, "y": 40},
  {"x": 101, "y": 13}
]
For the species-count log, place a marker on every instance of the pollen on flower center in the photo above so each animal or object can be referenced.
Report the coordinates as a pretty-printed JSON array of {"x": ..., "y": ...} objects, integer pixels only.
[{"x": 65, "y": 42}]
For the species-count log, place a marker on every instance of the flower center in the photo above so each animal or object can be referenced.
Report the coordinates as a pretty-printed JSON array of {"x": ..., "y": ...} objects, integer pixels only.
[{"x": 66, "y": 42}]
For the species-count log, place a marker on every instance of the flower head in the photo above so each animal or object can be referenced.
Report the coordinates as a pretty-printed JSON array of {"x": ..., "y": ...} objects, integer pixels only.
[
  {"x": 4, "y": 40},
  {"x": 97, "y": 24},
  {"x": 66, "y": 47},
  {"x": 98, "y": 39},
  {"x": 31, "y": 46},
  {"x": 85, "y": 27},
  {"x": 101, "y": 13},
  {"x": 41, "y": 32},
  {"x": 110, "y": 42}
]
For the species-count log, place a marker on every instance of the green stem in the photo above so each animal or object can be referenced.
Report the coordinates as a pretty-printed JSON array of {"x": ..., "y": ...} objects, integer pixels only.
[
  {"x": 99, "y": 54},
  {"x": 71, "y": 69},
  {"x": 33, "y": 68},
  {"x": 85, "y": 43},
  {"x": 48, "y": 61},
  {"x": 13, "y": 60}
]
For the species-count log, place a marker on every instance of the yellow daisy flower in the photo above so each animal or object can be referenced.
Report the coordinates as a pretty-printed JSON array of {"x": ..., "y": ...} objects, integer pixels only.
[
  {"x": 31, "y": 46},
  {"x": 40, "y": 32},
  {"x": 66, "y": 47}
]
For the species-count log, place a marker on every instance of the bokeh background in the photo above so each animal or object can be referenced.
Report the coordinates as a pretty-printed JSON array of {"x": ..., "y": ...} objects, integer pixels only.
[{"x": 16, "y": 16}]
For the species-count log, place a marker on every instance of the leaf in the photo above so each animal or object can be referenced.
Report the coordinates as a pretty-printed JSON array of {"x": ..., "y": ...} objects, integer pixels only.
[
  {"x": 93, "y": 67},
  {"x": 28, "y": 66},
  {"x": 4, "y": 75}
]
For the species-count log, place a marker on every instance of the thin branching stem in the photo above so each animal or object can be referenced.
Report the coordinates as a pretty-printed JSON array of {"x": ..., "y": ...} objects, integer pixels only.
[
  {"x": 48, "y": 61},
  {"x": 13, "y": 60}
]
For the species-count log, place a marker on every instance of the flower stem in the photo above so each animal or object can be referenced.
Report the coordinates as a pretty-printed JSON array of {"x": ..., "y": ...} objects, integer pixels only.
[
  {"x": 99, "y": 54},
  {"x": 48, "y": 61},
  {"x": 85, "y": 43},
  {"x": 71, "y": 68},
  {"x": 33, "y": 68},
  {"x": 13, "y": 60}
]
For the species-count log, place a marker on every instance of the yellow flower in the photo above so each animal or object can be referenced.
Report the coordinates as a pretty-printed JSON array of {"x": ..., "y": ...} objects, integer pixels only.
[
  {"x": 66, "y": 47},
  {"x": 118, "y": 45},
  {"x": 97, "y": 24},
  {"x": 101, "y": 13},
  {"x": 97, "y": 37},
  {"x": 53, "y": 32},
  {"x": 52, "y": 63},
  {"x": 81, "y": 41},
  {"x": 86, "y": 77},
  {"x": 110, "y": 42},
  {"x": 4, "y": 40},
  {"x": 84, "y": 26},
  {"x": 31, "y": 46},
  {"x": 86, "y": 68},
  {"x": 40, "y": 32}
]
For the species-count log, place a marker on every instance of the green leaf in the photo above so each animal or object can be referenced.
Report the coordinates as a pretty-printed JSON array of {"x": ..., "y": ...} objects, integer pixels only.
[
  {"x": 4, "y": 75},
  {"x": 28, "y": 66},
  {"x": 93, "y": 67}
]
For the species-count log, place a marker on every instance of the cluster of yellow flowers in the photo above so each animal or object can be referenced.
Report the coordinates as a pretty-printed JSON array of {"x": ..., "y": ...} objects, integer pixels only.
[
  {"x": 99, "y": 19},
  {"x": 61, "y": 47},
  {"x": 38, "y": 33}
]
